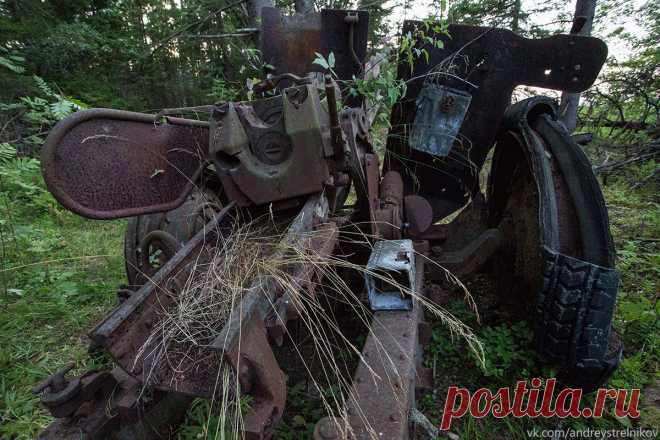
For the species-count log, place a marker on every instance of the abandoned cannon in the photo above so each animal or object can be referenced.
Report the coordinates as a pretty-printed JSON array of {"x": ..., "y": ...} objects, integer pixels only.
[{"x": 295, "y": 154}]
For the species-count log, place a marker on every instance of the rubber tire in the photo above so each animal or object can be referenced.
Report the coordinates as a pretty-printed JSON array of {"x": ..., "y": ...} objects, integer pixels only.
[
  {"x": 573, "y": 325},
  {"x": 577, "y": 290}
]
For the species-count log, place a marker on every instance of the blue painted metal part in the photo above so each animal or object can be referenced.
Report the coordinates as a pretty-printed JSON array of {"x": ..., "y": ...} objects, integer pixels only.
[
  {"x": 396, "y": 259},
  {"x": 439, "y": 116}
]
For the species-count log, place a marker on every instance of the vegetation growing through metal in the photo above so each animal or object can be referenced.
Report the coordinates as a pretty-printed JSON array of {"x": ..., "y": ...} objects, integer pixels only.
[{"x": 59, "y": 273}]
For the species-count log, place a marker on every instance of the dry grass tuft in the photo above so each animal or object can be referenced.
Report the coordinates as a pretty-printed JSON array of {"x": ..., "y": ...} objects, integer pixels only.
[{"x": 213, "y": 290}]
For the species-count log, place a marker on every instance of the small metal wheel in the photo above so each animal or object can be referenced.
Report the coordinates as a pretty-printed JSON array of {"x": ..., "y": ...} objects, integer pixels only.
[{"x": 151, "y": 240}]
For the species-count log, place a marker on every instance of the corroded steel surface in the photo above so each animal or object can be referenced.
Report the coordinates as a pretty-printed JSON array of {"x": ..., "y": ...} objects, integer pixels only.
[
  {"x": 108, "y": 405},
  {"x": 107, "y": 164},
  {"x": 290, "y": 43},
  {"x": 244, "y": 340},
  {"x": 125, "y": 330},
  {"x": 487, "y": 63},
  {"x": 262, "y": 162},
  {"x": 384, "y": 382}
]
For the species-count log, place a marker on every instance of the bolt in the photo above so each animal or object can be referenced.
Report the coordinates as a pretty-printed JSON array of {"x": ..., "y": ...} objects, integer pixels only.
[
  {"x": 351, "y": 18},
  {"x": 327, "y": 429},
  {"x": 447, "y": 103}
]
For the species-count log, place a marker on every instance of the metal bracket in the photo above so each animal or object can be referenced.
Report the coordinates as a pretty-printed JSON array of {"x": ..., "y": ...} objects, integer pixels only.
[
  {"x": 395, "y": 260},
  {"x": 439, "y": 116}
]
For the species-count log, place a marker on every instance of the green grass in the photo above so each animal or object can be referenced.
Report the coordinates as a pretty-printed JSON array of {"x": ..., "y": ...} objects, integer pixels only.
[{"x": 60, "y": 274}]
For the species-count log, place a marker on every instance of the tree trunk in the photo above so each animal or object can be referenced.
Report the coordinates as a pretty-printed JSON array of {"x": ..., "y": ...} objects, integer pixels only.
[
  {"x": 582, "y": 23},
  {"x": 304, "y": 6},
  {"x": 515, "y": 21}
]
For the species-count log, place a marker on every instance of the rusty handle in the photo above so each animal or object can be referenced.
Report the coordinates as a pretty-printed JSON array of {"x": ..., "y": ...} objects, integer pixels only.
[
  {"x": 352, "y": 19},
  {"x": 56, "y": 381},
  {"x": 272, "y": 82}
]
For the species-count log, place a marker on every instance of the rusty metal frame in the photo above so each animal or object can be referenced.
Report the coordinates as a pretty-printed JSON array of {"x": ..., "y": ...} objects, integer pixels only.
[
  {"x": 244, "y": 341},
  {"x": 487, "y": 63},
  {"x": 385, "y": 380}
]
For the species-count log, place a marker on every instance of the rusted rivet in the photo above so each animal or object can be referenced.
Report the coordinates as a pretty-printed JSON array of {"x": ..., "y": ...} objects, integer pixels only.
[{"x": 326, "y": 429}]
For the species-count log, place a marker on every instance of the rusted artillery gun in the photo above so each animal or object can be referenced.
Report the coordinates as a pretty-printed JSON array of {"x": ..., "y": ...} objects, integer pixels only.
[{"x": 541, "y": 223}]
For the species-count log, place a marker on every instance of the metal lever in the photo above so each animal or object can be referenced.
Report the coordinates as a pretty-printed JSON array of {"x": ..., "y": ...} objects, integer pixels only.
[
  {"x": 56, "y": 381},
  {"x": 352, "y": 19}
]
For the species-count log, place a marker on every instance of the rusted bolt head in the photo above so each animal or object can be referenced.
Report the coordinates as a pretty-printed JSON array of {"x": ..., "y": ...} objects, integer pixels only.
[
  {"x": 245, "y": 377},
  {"x": 351, "y": 18},
  {"x": 326, "y": 429}
]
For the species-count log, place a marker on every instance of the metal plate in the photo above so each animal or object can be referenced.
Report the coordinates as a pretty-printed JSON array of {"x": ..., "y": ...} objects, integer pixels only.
[
  {"x": 440, "y": 113},
  {"x": 290, "y": 43},
  {"x": 384, "y": 382},
  {"x": 394, "y": 258},
  {"x": 106, "y": 164},
  {"x": 488, "y": 64}
]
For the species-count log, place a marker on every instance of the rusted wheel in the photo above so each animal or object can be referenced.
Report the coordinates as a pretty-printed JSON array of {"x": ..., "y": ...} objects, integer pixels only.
[
  {"x": 155, "y": 249},
  {"x": 151, "y": 240},
  {"x": 557, "y": 255}
]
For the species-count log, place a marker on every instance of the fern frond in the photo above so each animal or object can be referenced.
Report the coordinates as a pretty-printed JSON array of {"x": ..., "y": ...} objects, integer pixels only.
[
  {"x": 44, "y": 87},
  {"x": 7, "y": 152}
]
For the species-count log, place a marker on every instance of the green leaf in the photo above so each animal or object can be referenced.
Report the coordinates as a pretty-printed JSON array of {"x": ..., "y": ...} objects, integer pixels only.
[
  {"x": 7, "y": 152},
  {"x": 331, "y": 60},
  {"x": 11, "y": 65},
  {"x": 321, "y": 61},
  {"x": 61, "y": 109},
  {"x": 44, "y": 87}
]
